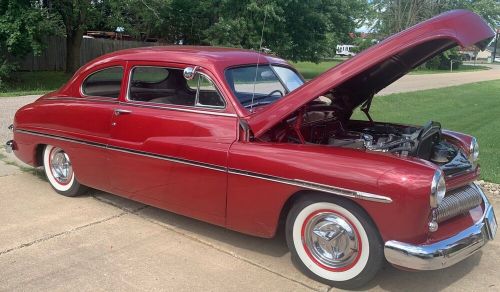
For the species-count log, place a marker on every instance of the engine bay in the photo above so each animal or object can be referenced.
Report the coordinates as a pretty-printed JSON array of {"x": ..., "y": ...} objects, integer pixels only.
[
  {"x": 327, "y": 126},
  {"x": 424, "y": 142}
]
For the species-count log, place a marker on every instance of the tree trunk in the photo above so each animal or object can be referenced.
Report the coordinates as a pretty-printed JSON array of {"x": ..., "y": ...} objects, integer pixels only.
[{"x": 73, "y": 44}]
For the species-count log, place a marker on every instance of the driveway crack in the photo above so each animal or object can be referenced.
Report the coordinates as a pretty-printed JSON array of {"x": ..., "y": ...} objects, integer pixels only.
[
  {"x": 204, "y": 242},
  {"x": 51, "y": 236}
]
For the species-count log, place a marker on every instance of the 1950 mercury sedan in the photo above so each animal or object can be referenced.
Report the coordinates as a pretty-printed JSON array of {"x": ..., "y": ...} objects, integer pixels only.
[{"x": 238, "y": 139}]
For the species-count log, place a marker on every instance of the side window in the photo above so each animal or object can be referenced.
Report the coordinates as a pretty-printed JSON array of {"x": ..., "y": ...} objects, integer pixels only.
[
  {"x": 106, "y": 83},
  {"x": 160, "y": 85},
  {"x": 207, "y": 93},
  {"x": 168, "y": 86}
]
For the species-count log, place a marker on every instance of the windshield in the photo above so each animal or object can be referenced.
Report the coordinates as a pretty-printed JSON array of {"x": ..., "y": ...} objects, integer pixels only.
[{"x": 266, "y": 84}]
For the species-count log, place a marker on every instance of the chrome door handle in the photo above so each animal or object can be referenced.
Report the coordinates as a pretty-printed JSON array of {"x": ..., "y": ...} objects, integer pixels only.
[{"x": 121, "y": 112}]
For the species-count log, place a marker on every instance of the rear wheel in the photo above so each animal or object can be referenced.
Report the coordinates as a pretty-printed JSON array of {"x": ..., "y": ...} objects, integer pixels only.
[
  {"x": 334, "y": 241},
  {"x": 59, "y": 172}
]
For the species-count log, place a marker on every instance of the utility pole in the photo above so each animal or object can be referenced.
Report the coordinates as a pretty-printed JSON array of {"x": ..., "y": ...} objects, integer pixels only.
[{"x": 495, "y": 45}]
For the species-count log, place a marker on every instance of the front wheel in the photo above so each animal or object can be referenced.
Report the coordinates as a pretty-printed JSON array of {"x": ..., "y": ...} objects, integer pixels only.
[
  {"x": 59, "y": 172},
  {"x": 334, "y": 241}
]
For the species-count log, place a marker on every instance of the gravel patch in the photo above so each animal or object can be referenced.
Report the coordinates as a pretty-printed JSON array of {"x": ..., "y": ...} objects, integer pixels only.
[{"x": 491, "y": 188}]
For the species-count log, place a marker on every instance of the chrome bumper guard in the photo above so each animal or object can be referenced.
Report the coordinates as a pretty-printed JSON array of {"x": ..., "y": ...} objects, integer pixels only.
[
  {"x": 9, "y": 146},
  {"x": 447, "y": 252}
]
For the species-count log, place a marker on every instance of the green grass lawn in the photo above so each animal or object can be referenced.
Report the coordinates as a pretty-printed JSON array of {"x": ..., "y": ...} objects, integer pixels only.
[
  {"x": 463, "y": 68},
  {"x": 310, "y": 70},
  {"x": 27, "y": 83},
  {"x": 473, "y": 109}
]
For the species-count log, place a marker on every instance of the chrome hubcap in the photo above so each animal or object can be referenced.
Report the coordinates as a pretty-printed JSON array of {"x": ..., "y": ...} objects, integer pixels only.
[
  {"x": 331, "y": 240},
  {"x": 60, "y": 166}
]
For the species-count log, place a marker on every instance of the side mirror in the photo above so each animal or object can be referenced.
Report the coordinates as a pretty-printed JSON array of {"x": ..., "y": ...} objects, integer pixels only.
[{"x": 189, "y": 72}]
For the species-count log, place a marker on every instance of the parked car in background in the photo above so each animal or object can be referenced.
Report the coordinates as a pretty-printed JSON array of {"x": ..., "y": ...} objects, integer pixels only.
[
  {"x": 345, "y": 50},
  {"x": 237, "y": 139}
]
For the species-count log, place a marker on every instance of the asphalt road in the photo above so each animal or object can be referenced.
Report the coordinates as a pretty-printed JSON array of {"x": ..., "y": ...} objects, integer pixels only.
[
  {"x": 101, "y": 242},
  {"x": 430, "y": 81}
]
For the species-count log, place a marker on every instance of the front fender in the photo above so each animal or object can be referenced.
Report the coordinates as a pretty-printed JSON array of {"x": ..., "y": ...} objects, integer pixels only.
[{"x": 263, "y": 177}]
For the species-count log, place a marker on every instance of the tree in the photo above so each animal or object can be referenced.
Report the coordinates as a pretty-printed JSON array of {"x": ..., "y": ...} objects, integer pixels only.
[
  {"x": 296, "y": 30},
  {"x": 73, "y": 14},
  {"x": 393, "y": 16},
  {"x": 22, "y": 26}
]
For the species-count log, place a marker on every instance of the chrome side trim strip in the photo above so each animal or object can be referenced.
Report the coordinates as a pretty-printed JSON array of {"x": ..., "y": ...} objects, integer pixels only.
[
  {"x": 98, "y": 145},
  {"x": 294, "y": 182},
  {"x": 152, "y": 105},
  {"x": 129, "y": 151},
  {"x": 315, "y": 186},
  {"x": 171, "y": 159}
]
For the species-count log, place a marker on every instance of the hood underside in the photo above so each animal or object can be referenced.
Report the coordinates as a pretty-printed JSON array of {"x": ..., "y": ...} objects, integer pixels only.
[{"x": 361, "y": 77}]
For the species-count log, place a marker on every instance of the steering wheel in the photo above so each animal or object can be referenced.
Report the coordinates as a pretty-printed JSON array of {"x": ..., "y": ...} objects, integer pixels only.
[{"x": 275, "y": 91}]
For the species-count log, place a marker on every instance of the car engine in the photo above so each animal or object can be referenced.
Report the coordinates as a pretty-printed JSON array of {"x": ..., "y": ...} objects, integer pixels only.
[{"x": 424, "y": 142}]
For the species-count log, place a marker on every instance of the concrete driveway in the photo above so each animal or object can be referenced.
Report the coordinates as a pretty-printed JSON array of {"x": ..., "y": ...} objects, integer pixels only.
[{"x": 103, "y": 242}]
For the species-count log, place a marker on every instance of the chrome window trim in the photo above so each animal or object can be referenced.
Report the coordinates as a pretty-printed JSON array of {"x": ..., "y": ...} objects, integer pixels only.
[
  {"x": 87, "y": 99},
  {"x": 169, "y": 106},
  {"x": 189, "y": 110},
  {"x": 198, "y": 104},
  {"x": 97, "y": 71},
  {"x": 294, "y": 182}
]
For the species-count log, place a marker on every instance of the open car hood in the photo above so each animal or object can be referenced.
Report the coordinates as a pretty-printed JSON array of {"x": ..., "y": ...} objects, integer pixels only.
[{"x": 374, "y": 69}]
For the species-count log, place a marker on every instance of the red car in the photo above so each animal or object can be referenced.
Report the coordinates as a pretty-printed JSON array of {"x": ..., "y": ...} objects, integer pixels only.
[{"x": 238, "y": 139}]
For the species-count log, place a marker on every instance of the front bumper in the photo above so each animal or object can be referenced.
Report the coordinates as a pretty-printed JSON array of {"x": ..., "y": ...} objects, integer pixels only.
[{"x": 447, "y": 252}]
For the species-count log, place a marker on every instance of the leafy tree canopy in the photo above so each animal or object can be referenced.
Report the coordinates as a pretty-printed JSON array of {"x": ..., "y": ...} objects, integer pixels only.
[
  {"x": 22, "y": 24},
  {"x": 297, "y": 30},
  {"x": 392, "y": 16}
]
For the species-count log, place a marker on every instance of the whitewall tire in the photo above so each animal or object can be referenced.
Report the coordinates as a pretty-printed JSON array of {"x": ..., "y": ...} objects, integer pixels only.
[
  {"x": 60, "y": 173},
  {"x": 334, "y": 241}
]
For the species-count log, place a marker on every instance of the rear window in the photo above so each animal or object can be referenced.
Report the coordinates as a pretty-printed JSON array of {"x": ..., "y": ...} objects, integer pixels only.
[{"x": 105, "y": 83}]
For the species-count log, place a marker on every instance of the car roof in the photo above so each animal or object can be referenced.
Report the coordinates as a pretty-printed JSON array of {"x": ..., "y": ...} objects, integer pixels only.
[{"x": 196, "y": 55}]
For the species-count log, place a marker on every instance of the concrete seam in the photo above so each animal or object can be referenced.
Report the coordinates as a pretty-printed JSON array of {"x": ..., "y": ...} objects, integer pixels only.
[
  {"x": 61, "y": 233},
  {"x": 232, "y": 254}
]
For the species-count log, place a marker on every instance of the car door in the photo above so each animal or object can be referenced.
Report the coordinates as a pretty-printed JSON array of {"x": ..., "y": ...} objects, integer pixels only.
[
  {"x": 168, "y": 149},
  {"x": 80, "y": 121}
]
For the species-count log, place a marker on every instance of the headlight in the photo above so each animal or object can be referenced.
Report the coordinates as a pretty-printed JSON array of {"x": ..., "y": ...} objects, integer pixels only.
[
  {"x": 473, "y": 150},
  {"x": 438, "y": 189}
]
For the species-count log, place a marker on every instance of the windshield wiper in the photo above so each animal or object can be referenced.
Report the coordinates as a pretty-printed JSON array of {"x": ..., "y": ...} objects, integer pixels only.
[
  {"x": 257, "y": 103},
  {"x": 255, "y": 98}
]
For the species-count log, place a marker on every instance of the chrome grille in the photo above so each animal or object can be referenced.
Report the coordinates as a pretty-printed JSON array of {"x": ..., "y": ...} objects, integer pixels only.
[{"x": 457, "y": 202}]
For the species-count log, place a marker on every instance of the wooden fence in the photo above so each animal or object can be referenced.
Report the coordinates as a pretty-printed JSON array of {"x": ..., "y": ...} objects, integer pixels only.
[{"x": 53, "y": 57}]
